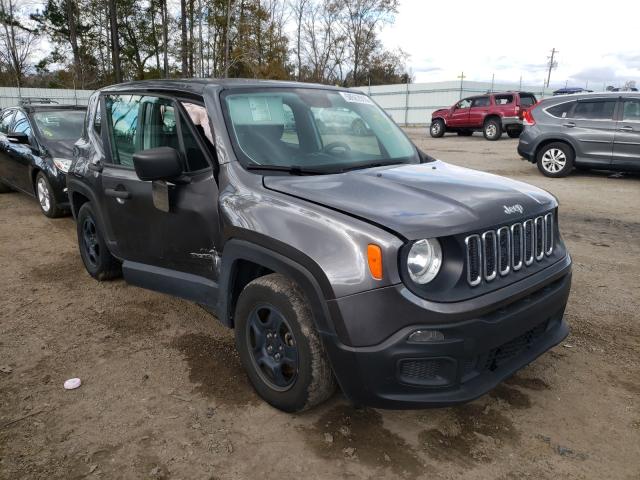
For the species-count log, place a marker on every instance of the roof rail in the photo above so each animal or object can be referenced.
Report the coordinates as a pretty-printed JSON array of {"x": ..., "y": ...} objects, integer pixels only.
[{"x": 35, "y": 100}]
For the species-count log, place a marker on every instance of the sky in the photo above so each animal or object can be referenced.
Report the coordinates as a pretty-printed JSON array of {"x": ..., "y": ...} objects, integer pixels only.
[{"x": 597, "y": 43}]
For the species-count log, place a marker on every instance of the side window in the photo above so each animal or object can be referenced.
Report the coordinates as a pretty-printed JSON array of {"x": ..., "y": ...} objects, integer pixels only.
[
  {"x": 527, "y": 100},
  {"x": 290, "y": 132},
  {"x": 504, "y": 99},
  {"x": 124, "y": 136},
  {"x": 21, "y": 124},
  {"x": 563, "y": 110},
  {"x": 595, "y": 110},
  {"x": 480, "y": 102},
  {"x": 466, "y": 103},
  {"x": 631, "y": 110},
  {"x": 5, "y": 120}
]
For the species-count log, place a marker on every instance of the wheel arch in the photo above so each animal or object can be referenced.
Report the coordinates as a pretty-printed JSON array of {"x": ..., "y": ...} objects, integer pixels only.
[
  {"x": 245, "y": 260},
  {"x": 548, "y": 141},
  {"x": 492, "y": 116}
]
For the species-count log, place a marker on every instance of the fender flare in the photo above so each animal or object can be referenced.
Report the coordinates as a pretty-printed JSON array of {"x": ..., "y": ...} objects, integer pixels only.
[
  {"x": 287, "y": 261},
  {"x": 75, "y": 186}
]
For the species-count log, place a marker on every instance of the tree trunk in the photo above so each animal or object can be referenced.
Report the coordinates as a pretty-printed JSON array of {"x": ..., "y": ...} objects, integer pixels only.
[
  {"x": 73, "y": 40},
  {"x": 165, "y": 37},
  {"x": 184, "y": 46},
  {"x": 226, "y": 40},
  {"x": 115, "y": 41}
]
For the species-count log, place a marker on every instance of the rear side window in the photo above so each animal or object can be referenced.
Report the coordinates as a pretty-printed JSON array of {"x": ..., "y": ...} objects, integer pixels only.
[
  {"x": 5, "y": 120},
  {"x": 631, "y": 110},
  {"x": 595, "y": 110},
  {"x": 562, "y": 110},
  {"x": 481, "y": 102},
  {"x": 504, "y": 99}
]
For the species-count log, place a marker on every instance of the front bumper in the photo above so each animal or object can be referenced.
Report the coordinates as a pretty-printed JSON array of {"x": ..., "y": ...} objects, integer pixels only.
[{"x": 480, "y": 349}]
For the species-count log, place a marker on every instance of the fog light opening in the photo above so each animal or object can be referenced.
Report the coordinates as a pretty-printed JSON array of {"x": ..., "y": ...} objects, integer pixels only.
[{"x": 426, "y": 336}]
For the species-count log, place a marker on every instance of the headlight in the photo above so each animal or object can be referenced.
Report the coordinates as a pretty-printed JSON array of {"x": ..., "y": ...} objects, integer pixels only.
[
  {"x": 424, "y": 260},
  {"x": 62, "y": 164}
]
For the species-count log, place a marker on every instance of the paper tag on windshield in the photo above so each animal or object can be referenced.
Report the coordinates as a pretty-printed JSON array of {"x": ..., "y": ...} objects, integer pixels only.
[
  {"x": 356, "y": 98},
  {"x": 259, "y": 109}
]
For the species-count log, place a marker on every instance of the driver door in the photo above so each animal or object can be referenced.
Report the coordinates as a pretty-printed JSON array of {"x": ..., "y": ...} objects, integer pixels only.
[
  {"x": 168, "y": 244},
  {"x": 460, "y": 114}
]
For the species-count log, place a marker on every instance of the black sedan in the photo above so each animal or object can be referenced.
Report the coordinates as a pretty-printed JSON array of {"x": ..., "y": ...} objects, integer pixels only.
[{"x": 36, "y": 144}]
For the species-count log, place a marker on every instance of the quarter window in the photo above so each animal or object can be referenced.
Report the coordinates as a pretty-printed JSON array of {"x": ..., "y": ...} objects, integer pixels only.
[
  {"x": 562, "y": 110},
  {"x": 595, "y": 110},
  {"x": 631, "y": 111}
]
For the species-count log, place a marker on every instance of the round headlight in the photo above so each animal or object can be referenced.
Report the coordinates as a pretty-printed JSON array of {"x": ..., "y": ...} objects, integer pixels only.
[{"x": 424, "y": 260}]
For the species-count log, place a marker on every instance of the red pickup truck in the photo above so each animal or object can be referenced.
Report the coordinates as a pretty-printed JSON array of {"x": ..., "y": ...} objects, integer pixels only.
[{"x": 492, "y": 113}]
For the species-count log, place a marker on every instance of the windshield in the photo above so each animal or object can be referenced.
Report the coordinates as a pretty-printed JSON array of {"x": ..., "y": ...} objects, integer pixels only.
[
  {"x": 323, "y": 131},
  {"x": 60, "y": 124}
]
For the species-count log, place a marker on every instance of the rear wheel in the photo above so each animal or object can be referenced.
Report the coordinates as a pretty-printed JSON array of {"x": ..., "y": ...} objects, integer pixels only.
[
  {"x": 492, "y": 129},
  {"x": 555, "y": 160},
  {"x": 437, "y": 128},
  {"x": 279, "y": 346},
  {"x": 96, "y": 257},
  {"x": 46, "y": 199}
]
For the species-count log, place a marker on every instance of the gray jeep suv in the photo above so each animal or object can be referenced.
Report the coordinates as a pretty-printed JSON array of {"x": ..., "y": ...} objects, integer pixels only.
[
  {"x": 337, "y": 256},
  {"x": 593, "y": 130}
]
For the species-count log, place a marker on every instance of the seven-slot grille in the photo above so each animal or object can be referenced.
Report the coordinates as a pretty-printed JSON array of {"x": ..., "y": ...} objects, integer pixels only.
[{"x": 498, "y": 252}]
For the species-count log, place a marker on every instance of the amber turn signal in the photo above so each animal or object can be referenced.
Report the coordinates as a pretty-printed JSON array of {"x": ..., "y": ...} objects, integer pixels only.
[{"x": 374, "y": 255}]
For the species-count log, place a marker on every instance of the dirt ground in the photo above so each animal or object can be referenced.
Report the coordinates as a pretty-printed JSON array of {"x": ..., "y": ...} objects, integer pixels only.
[{"x": 163, "y": 395}]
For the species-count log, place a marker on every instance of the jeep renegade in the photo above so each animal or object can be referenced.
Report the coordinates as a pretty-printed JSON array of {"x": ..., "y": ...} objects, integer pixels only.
[{"x": 339, "y": 256}]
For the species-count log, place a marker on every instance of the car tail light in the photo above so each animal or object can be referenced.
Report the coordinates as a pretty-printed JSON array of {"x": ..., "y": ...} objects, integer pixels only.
[{"x": 527, "y": 117}]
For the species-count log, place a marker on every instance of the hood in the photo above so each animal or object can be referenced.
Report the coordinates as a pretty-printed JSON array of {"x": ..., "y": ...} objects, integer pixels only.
[
  {"x": 423, "y": 200},
  {"x": 59, "y": 148},
  {"x": 440, "y": 111}
]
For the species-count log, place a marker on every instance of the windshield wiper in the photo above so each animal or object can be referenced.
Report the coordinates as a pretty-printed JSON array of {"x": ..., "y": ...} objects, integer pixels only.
[
  {"x": 373, "y": 165},
  {"x": 292, "y": 169}
]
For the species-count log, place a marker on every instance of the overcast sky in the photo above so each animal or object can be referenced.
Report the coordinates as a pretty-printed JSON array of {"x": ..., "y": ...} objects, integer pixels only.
[{"x": 598, "y": 42}]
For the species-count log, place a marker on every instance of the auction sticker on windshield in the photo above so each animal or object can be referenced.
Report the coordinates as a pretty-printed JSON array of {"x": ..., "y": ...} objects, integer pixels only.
[{"x": 356, "y": 98}]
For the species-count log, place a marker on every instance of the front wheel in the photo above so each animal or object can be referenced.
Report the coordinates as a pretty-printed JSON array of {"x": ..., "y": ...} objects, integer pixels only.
[
  {"x": 555, "y": 160},
  {"x": 492, "y": 129},
  {"x": 279, "y": 346},
  {"x": 96, "y": 257},
  {"x": 46, "y": 198},
  {"x": 437, "y": 128}
]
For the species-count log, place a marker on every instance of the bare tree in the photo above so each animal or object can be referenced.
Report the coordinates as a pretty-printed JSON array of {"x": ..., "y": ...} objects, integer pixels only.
[{"x": 16, "y": 41}]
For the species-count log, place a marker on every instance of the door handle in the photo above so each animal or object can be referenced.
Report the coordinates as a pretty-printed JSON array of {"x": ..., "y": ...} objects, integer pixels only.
[
  {"x": 119, "y": 194},
  {"x": 569, "y": 124},
  {"x": 626, "y": 128}
]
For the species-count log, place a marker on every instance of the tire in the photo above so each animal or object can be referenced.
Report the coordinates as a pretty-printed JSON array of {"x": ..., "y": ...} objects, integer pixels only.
[
  {"x": 515, "y": 133},
  {"x": 492, "y": 129},
  {"x": 5, "y": 188},
  {"x": 555, "y": 160},
  {"x": 465, "y": 133},
  {"x": 46, "y": 199},
  {"x": 279, "y": 346},
  {"x": 96, "y": 257},
  {"x": 437, "y": 128}
]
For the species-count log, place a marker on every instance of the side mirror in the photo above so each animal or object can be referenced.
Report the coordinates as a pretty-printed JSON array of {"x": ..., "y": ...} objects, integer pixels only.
[
  {"x": 162, "y": 163},
  {"x": 18, "y": 137}
]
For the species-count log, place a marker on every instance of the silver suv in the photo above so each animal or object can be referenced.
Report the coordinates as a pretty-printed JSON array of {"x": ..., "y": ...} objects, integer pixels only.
[{"x": 593, "y": 130}]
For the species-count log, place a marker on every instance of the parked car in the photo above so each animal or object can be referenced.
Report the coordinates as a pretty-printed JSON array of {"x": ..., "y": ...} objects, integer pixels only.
[
  {"x": 36, "y": 143},
  {"x": 360, "y": 261},
  {"x": 586, "y": 131},
  {"x": 493, "y": 114},
  {"x": 339, "y": 120},
  {"x": 571, "y": 91}
]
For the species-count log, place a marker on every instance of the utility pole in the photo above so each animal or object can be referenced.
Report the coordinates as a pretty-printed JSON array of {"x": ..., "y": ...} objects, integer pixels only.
[
  {"x": 461, "y": 77},
  {"x": 493, "y": 79},
  {"x": 552, "y": 64}
]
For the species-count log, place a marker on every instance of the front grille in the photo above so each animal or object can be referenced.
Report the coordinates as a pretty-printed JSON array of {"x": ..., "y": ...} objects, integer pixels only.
[
  {"x": 513, "y": 348},
  {"x": 508, "y": 248}
]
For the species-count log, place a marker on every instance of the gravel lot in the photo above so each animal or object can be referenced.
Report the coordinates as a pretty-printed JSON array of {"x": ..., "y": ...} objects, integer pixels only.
[{"x": 163, "y": 395}]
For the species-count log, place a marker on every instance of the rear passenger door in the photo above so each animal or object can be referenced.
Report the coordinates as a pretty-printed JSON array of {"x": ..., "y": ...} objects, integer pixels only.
[
  {"x": 626, "y": 143},
  {"x": 593, "y": 128},
  {"x": 183, "y": 239},
  {"x": 479, "y": 108}
]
